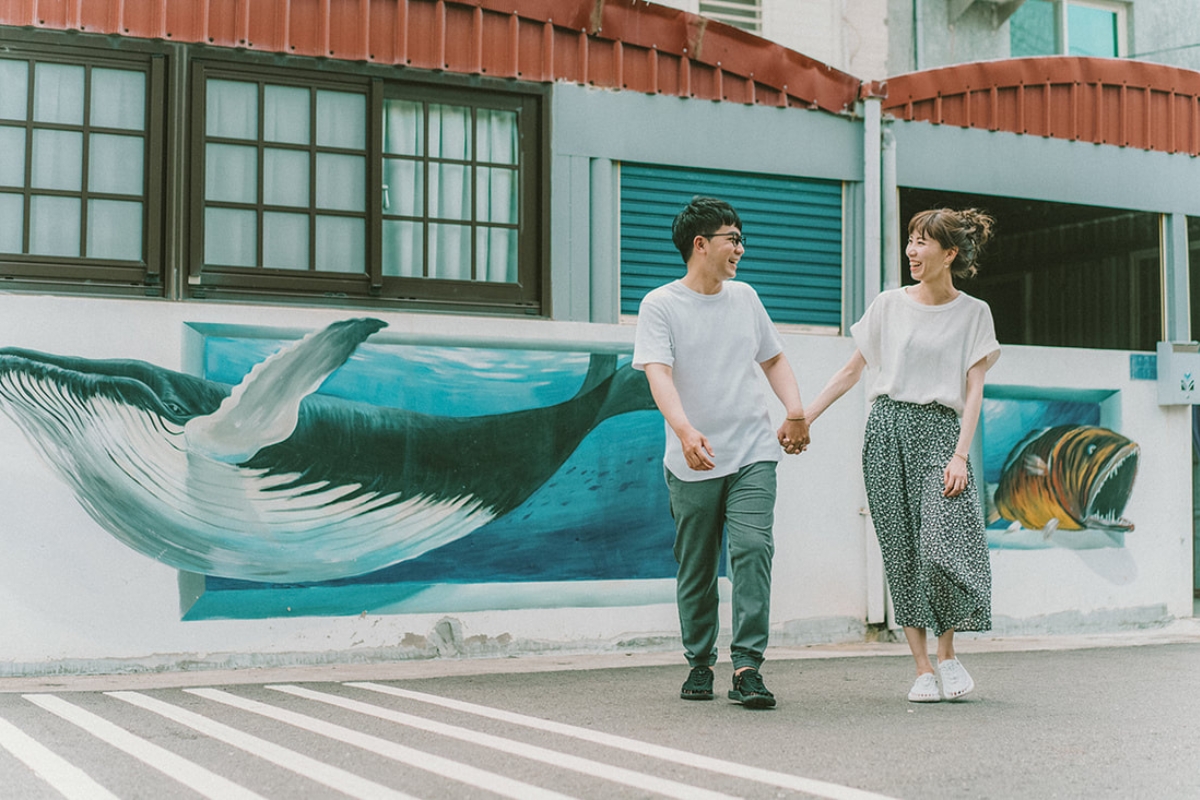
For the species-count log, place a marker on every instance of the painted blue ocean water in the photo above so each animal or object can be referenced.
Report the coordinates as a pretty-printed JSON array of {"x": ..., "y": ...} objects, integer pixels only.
[{"x": 603, "y": 516}]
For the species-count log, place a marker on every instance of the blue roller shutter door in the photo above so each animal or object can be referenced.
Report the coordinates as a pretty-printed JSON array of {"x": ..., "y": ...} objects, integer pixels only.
[{"x": 794, "y": 226}]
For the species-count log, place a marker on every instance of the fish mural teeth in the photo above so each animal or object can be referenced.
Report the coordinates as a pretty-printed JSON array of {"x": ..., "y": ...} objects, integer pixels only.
[{"x": 1069, "y": 477}]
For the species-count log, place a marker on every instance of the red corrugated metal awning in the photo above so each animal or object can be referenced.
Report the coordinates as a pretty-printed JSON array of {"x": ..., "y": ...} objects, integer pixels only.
[
  {"x": 620, "y": 44},
  {"x": 1103, "y": 100}
]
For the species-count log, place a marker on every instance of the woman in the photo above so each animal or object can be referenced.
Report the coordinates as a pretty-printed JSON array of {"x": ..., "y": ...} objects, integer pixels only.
[{"x": 928, "y": 347}]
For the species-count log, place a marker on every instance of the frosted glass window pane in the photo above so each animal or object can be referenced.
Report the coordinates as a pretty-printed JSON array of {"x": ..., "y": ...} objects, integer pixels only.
[
  {"x": 286, "y": 118},
  {"x": 230, "y": 173},
  {"x": 403, "y": 249},
  {"x": 403, "y": 191},
  {"x": 231, "y": 109},
  {"x": 450, "y": 132},
  {"x": 496, "y": 197},
  {"x": 114, "y": 230},
  {"x": 57, "y": 160},
  {"x": 58, "y": 94},
  {"x": 450, "y": 252},
  {"x": 1091, "y": 32},
  {"x": 497, "y": 132},
  {"x": 285, "y": 241},
  {"x": 496, "y": 255},
  {"x": 285, "y": 177},
  {"x": 230, "y": 237},
  {"x": 118, "y": 99},
  {"x": 341, "y": 245},
  {"x": 341, "y": 182},
  {"x": 12, "y": 156},
  {"x": 54, "y": 226},
  {"x": 14, "y": 100},
  {"x": 115, "y": 164},
  {"x": 449, "y": 191},
  {"x": 403, "y": 128},
  {"x": 12, "y": 222},
  {"x": 1031, "y": 30},
  {"x": 341, "y": 120}
]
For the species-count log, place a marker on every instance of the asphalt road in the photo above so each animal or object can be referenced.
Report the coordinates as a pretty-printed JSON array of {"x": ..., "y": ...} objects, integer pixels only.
[{"x": 1097, "y": 722}]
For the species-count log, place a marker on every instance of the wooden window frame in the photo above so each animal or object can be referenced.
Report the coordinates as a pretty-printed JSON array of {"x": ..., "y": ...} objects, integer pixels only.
[
  {"x": 81, "y": 273},
  {"x": 528, "y": 295}
]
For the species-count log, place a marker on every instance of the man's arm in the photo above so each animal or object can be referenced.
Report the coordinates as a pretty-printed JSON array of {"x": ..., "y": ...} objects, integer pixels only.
[
  {"x": 696, "y": 449},
  {"x": 793, "y": 433}
]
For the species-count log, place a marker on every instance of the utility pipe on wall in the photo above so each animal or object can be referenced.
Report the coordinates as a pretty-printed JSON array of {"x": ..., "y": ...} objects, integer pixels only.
[
  {"x": 891, "y": 211},
  {"x": 872, "y": 228}
]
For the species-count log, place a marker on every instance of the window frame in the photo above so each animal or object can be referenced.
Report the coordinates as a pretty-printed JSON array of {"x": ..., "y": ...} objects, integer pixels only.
[
  {"x": 81, "y": 273},
  {"x": 1062, "y": 33},
  {"x": 528, "y": 295}
]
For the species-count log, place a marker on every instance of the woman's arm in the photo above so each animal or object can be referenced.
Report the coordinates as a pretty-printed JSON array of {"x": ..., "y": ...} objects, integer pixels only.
[
  {"x": 838, "y": 385},
  {"x": 954, "y": 477}
]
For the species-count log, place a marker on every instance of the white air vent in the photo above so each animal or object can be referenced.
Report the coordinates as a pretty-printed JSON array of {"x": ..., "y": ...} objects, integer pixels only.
[{"x": 744, "y": 14}]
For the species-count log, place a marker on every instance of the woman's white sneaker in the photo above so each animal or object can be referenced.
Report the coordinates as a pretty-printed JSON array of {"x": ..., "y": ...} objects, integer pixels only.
[
  {"x": 925, "y": 690},
  {"x": 956, "y": 682}
]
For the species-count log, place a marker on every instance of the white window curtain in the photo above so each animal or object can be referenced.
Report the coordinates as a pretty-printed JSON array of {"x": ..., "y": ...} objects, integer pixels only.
[{"x": 14, "y": 77}]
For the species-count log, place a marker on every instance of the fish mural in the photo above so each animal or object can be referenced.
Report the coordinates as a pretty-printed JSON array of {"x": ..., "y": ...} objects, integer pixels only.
[
  {"x": 272, "y": 481},
  {"x": 1068, "y": 477}
]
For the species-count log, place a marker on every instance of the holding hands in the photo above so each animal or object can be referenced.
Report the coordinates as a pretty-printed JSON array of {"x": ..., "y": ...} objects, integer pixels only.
[{"x": 793, "y": 435}]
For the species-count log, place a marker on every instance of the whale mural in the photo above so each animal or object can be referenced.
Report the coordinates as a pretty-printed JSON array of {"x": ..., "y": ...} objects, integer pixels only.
[{"x": 270, "y": 479}]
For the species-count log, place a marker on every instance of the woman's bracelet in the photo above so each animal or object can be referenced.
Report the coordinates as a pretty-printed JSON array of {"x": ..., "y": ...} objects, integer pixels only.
[
  {"x": 795, "y": 419},
  {"x": 960, "y": 455}
]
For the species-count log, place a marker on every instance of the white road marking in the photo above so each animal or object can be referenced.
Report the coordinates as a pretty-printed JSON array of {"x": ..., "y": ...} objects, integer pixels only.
[
  {"x": 443, "y": 767},
  {"x": 597, "y": 769},
  {"x": 324, "y": 774},
  {"x": 70, "y": 781},
  {"x": 832, "y": 791},
  {"x": 191, "y": 775}
]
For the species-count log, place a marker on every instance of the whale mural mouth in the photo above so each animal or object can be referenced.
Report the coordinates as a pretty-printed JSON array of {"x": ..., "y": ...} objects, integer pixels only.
[{"x": 1111, "y": 491}]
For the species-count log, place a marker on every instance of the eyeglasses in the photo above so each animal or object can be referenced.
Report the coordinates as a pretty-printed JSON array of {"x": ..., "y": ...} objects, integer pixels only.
[{"x": 735, "y": 238}]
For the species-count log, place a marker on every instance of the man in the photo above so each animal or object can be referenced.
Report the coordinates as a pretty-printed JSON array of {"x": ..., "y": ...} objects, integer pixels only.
[{"x": 698, "y": 340}]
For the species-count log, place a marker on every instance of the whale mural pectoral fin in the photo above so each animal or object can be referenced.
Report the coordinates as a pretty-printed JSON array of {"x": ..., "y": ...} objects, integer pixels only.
[{"x": 263, "y": 409}]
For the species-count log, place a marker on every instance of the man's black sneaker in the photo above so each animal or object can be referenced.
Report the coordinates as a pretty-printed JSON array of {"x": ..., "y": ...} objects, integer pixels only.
[
  {"x": 748, "y": 689},
  {"x": 699, "y": 685}
]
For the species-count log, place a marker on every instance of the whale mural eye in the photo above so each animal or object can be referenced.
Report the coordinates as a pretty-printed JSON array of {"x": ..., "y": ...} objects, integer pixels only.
[{"x": 175, "y": 408}]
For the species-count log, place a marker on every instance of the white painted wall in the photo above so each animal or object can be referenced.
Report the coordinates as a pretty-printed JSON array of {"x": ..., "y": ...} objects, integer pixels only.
[
  {"x": 849, "y": 35},
  {"x": 77, "y": 600}
]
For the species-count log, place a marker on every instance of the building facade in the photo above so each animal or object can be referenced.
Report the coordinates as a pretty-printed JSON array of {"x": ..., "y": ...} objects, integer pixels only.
[{"x": 315, "y": 323}]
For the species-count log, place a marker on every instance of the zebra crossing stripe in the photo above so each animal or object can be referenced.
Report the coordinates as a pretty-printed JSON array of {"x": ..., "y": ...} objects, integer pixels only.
[
  {"x": 443, "y": 767},
  {"x": 70, "y": 781},
  {"x": 638, "y": 780},
  {"x": 831, "y": 791},
  {"x": 194, "y": 776},
  {"x": 325, "y": 774}
]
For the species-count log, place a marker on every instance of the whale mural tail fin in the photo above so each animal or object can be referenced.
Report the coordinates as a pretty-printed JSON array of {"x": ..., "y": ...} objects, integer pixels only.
[{"x": 263, "y": 409}]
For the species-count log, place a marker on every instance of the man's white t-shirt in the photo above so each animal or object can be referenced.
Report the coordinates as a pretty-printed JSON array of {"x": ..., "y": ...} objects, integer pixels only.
[
  {"x": 917, "y": 353},
  {"x": 713, "y": 344}
]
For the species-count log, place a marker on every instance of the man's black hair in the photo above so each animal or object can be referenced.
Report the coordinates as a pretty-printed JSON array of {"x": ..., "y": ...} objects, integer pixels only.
[{"x": 701, "y": 217}]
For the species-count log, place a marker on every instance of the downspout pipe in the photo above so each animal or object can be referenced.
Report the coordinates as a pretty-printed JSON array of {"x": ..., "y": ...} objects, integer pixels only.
[
  {"x": 891, "y": 211},
  {"x": 872, "y": 199}
]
